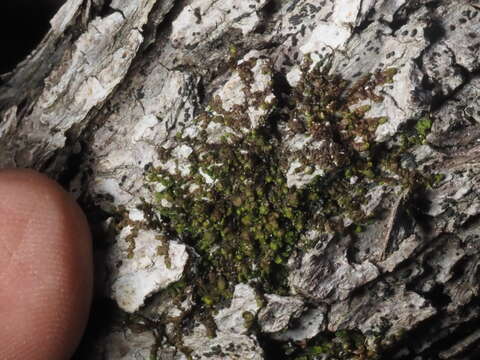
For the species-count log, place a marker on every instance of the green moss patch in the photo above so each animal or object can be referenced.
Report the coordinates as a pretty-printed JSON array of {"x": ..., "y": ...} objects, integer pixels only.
[
  {"x": 236, "y": 209},
  {"x": 234, "y": 206},
  {"x": 345, "y": 344}
]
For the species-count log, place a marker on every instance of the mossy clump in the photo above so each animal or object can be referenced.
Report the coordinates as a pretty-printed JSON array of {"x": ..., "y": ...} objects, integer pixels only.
[
  {"x": 235, "y": 209},
  {"x": 325, "y": 106},
  {"x": 234, "y": 206},
  {"x": 413, "y": 134},
  {"x": 423, "y": 126},
  {"x": 344, "y": 344},
  {"x": 436, "y": 179}
]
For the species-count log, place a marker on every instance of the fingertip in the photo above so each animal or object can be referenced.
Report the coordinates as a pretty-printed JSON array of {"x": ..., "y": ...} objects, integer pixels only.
[{"x": 46, "y": 266}]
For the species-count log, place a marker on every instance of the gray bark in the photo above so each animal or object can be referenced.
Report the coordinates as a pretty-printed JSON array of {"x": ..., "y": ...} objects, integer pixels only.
[{"x": 120, "y": 90}]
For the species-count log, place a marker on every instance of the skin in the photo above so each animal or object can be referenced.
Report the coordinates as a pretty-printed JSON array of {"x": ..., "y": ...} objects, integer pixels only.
[{"x": 45, "y": 268}]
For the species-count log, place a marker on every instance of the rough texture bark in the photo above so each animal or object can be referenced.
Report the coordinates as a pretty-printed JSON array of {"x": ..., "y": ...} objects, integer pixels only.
[{"x": 293, "y": 179}]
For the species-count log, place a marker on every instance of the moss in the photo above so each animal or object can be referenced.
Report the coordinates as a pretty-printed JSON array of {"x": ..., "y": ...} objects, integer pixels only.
[
  {"x": 345, "y": 344},
  {"x": 249, "y": 319},
  {"x": 247, "y": 222},
  {"x": 130, "y": 239},
  {"x": 423, "y": 126},
  {"x": 243, "y": 225},
  {"x": 207, "y": 300},
  {"x": 164, "y": 250},
  {"x": 436, "y": 179},
  {"x": 358, "y": 229}
]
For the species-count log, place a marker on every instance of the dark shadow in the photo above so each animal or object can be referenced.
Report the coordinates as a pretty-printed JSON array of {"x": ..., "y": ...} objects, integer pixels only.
[{"x": 23, "y": 23}]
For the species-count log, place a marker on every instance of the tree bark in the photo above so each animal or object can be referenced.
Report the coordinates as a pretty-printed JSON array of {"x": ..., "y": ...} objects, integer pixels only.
[{"x": 349, "y": 228}]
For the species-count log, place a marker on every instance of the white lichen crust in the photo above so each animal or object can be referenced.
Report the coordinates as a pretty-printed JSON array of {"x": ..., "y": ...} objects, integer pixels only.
[{"x": 143, "y": 271}]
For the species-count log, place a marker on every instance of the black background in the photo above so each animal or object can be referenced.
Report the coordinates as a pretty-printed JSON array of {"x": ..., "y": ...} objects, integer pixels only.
[{"x": 23, "y": 23}]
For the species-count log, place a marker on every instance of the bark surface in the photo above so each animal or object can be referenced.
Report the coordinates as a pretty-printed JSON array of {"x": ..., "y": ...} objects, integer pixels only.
[{"x": 265, "y": 179}]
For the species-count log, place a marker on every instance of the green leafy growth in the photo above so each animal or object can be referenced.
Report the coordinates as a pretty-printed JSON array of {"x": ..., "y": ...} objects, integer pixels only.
[
  {"x": 423, "y": 126},
  {"x": 235, "y": 208},
  {"x": 245, "y": 224},
  {"x": 344, "y": 344},
  {"x": 436, "y": 179}
]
